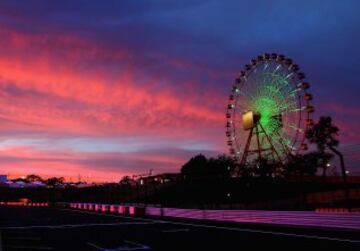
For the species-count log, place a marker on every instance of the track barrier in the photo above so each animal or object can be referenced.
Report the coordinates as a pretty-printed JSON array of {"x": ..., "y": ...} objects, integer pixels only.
[
  {"x": 24, "y": 204},
  {"x": 321, "y": 217}
]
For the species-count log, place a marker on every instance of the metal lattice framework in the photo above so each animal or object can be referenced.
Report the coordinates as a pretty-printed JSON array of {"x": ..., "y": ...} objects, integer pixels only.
[{"x": 272, "y": 92}]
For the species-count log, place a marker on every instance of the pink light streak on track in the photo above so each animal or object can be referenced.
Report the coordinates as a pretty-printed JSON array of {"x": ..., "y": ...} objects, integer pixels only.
[
  {"x": 296, "y": 218},
  {"x": 342, "y": 220}
]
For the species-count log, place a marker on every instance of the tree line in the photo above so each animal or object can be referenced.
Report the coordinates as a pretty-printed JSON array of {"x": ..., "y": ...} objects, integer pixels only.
[{"x": 323, "y": 135}]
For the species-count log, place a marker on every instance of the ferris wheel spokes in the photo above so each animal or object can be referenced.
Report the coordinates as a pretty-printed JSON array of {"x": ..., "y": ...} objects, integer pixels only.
[{"x": 273, "y": 91}]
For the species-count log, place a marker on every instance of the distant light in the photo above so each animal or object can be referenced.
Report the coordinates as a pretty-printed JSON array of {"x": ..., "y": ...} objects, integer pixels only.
[
  {"x": 347, "y": 171},
  {"x": 141, "y": 182},
  {"x": 228, "y": 168},
  {"x": 328, "y": 164},
  {"x": 228, "y": 194}
]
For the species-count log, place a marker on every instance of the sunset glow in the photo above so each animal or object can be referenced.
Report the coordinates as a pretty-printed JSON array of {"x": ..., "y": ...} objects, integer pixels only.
[{"x": 147, "y": 89}]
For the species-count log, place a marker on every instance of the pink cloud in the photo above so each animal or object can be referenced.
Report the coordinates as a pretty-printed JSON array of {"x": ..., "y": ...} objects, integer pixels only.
[
  {"x": 59, "y": 85},
  {"x": 56, "y": 85},
  {"x": 61, "y": 68}
]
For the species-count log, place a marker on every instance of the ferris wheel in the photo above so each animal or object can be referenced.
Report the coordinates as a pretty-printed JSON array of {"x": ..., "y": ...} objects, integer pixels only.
[{"x": 269, "y": 111}]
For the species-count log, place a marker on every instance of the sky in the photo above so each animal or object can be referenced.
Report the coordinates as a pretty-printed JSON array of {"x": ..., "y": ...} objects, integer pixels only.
[{"x": 103, "y": 89}]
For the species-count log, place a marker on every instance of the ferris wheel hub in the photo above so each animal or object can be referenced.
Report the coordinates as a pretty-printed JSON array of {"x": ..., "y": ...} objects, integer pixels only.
[{"x": 250, "y": 119}]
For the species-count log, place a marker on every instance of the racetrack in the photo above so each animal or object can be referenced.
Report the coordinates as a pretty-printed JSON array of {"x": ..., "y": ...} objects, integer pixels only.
[{"x": 66, "y": 229}]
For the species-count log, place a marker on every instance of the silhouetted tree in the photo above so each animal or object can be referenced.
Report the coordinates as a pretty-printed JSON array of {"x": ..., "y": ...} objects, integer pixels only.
[
  {"x": 199, "y": 166},
  {"x": 324, "y": 134},
  {"x": 126, "y": 180},
  {"x": 266, "y": 168},
  {"x": 260, "y": 168},
  {"x": 222, "y": 166},
  {"x": 54, "y": 181},
  {"x": 33, "y": 178},
  {"x": 196, "y": 166},
  {"x": 303, "y": 165},
  {"x": 127, "y": 186}
]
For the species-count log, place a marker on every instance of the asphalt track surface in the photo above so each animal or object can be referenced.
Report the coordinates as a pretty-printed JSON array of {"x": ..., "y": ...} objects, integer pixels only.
[{"x": 66, "y": 229}]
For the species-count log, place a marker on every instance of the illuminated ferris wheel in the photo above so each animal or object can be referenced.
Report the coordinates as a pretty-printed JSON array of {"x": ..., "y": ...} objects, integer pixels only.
[{"x": 269, "y": 111}]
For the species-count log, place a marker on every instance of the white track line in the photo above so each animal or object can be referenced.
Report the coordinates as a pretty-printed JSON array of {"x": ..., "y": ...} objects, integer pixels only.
[
  {"x": 78, "y": 225},
  {"x": 176, "y": 230},
  {"x": 94, "y": 246},
  {"x": 266, "y": 232},
  {"x": 28, "y": 247},
  {"x": 235, "y": 229},
  {"x": 137, "y": 246}
]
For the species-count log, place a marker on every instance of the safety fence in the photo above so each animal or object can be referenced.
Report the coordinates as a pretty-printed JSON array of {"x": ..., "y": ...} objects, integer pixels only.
[
  {"x": 322, "y": 217},
  {"x": 111, "y": 208},
  {"x": 252, "y": 215},
  {"x": 24, "y": 204},
  {"x": 326, "y": 219}
]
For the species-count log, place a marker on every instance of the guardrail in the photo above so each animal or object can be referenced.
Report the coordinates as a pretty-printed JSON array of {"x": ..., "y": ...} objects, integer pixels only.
[
  {"x": 24, "y": 204},
  {"x": 110, "y": 208},
  {"x": 325, "y": 218},
  {"x": 336, "y": 210},
  {"x": 195, "y": 213},
  {"x": 322, "y": 217}
]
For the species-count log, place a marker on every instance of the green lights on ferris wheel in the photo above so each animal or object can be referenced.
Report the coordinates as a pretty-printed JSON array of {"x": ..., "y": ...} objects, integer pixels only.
[{"x": 273, "y": 89}]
